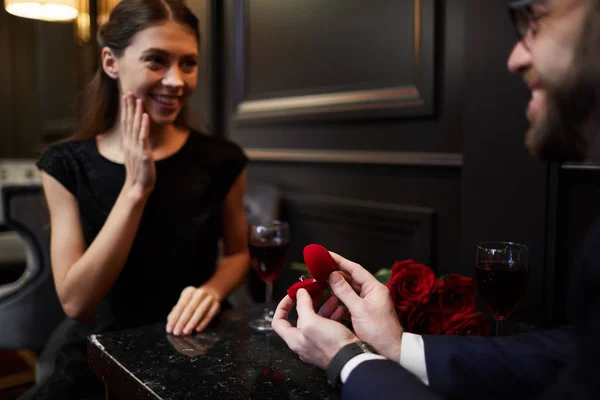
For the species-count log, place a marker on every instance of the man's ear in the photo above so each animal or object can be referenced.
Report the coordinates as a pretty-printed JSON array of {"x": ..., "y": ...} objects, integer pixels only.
[{"x": 110, "y": 63}]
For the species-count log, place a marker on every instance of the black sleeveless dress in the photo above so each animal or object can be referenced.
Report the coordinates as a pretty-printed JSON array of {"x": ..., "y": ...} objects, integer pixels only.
[{"x": 175, "y": 246}]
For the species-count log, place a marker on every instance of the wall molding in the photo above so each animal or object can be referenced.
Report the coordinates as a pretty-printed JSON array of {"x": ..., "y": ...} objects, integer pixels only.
[
  {"x": 445, "y": 160},
  {"x": 394, "y": 222},
  {"x": 410, "y": 99},
  {"x": 330, "y": 102},
  {"x": 584, "y": 166}
]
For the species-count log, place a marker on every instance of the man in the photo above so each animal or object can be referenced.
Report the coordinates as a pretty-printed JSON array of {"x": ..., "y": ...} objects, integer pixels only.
[{"x": 562, "y": 67}]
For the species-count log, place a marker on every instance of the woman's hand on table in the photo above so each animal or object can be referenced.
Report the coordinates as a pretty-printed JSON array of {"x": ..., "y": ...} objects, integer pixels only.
[{"x": 195, "y": 309}]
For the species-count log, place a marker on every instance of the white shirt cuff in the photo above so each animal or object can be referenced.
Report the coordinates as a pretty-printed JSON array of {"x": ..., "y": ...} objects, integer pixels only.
[
  {"x": 412, "y": 356},
  {"x": 353, "y": 363}
]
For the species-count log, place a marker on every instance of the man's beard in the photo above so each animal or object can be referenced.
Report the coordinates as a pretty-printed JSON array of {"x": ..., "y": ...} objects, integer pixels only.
[{"x": 568, "y": 132}]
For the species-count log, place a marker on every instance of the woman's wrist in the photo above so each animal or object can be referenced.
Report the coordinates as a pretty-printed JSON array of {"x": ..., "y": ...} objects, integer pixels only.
[
  {"x": 214, "y": 291},
  {"x": 135, "y": 193}
]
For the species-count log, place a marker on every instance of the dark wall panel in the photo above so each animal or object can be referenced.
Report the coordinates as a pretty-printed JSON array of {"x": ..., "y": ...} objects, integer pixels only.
[
  {"x": 393, "y": 86},
  {"x": 19, "y": 112},
  {"x": 58, "y": 54},
  {"x": 578, "y": 199},
  {"x": 202, "y": 101},
  {"x": 312, "y": 60}
]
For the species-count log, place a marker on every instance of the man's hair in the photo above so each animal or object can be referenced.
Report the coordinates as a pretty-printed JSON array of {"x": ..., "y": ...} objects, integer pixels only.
[{"x": 574, "y": 105}]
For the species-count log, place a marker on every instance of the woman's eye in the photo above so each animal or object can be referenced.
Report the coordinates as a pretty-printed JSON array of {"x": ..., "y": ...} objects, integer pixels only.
[
  {"x": 155, "y": 60},
  {"x": 190, "y": 63}
]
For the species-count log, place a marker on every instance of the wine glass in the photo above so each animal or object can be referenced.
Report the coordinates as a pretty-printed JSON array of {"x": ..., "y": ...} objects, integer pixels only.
[
  {"x": 269, "y": 245},
  {"x": 501, "y": 272}
]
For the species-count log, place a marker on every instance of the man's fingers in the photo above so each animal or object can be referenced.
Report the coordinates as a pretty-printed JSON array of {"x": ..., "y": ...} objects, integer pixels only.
[
  {"x": 348, "y": 279},
  {"x": 328, "y": 307},
  {"x": 283, "y": 327},
  {"x": 344, "y": 292},
  {"x": 304, "y": 304},
  {"x": 358, "y": 274},
  {"x": 339, "y": 314},
  {"x": 283, "y": 309}
]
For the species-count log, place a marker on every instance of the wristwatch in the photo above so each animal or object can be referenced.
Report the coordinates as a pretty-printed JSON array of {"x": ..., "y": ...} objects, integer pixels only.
[{"x": 345, "y": 354}]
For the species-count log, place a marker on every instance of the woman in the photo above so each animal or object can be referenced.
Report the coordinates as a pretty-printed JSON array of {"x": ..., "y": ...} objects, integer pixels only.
[{"x": 137, "y": 199}]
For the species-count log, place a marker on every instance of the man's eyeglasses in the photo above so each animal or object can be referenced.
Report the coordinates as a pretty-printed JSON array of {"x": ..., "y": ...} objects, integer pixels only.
[{"x": 523, "y": 16}]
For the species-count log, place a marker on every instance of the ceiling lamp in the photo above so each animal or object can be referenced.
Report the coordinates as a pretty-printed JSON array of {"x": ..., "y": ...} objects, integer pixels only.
[{"x": 45, "y": 10}]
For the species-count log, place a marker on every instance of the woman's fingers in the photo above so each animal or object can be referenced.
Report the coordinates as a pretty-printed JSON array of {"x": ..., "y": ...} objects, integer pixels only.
[
  {"x": 200, "y": 311},
  {"x": 145, "y": 132},
  {"x": 209, "y": 316},
  {"x": 184, "y": 299},
  {"x": 188, "y": 311},
  {"x": 137, "y": 121}
]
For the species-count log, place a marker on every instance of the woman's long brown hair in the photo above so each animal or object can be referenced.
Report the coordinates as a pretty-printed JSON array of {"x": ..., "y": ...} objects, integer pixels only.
[{"x": 101, "y": 101}]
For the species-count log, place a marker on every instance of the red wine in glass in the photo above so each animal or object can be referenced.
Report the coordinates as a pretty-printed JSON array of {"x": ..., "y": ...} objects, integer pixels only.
[
  {"x": 501, "y": 273},
  {"x": 268, "y": 259},
  {"x": 269, "y": 244},
  {"x": 501, "y": 286}
]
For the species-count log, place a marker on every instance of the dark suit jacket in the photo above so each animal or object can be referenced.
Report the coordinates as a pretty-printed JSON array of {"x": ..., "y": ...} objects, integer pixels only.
[{"x": 557, "y": 364}]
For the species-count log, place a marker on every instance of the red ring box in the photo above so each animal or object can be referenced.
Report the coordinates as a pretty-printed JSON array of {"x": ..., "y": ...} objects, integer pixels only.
[{"x": 320, "y": 264}]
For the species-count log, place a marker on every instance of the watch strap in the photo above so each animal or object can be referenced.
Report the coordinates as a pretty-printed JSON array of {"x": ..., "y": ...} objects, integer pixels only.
[{"x": 345, "y": 354}]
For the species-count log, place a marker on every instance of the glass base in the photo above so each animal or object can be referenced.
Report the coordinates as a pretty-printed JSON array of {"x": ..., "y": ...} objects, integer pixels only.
[{"x": 261, "y": 325}]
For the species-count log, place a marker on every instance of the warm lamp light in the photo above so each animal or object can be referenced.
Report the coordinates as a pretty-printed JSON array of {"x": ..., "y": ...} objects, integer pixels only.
[{"x": 46, "y": 10}]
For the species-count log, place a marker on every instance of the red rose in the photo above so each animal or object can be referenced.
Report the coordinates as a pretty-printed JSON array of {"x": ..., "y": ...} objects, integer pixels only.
[
  {"x": 457, "y": 294},
  {"x": 467, "y": 324},
  {"x": 402, "y": 310},
  {"x": 411, "y": 282},
  {"x": 424, "y": 320}
]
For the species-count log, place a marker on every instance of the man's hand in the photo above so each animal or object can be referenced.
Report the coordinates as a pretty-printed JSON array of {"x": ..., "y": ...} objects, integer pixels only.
[
  {"x": 372, "y": 311},
  {"x": 316, "y": 338}
]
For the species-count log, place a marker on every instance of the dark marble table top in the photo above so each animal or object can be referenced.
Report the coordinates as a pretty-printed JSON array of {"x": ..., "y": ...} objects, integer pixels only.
[{"x": 227, "y": 361}]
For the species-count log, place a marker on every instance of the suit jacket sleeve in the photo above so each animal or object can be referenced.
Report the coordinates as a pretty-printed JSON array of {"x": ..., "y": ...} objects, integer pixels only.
[
  {"x": 384, "y": 379},
  {"x": 512, "y": 367},
  {"x": 481, "y": 367}
]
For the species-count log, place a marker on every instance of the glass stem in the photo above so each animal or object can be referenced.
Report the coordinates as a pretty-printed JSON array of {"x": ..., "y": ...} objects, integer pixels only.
[
  {"x": 268, "y": 302},
  {"x": 499, "y": 327}
]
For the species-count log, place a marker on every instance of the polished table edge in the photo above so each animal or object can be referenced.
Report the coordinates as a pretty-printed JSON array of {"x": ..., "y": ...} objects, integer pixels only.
[{"x": 114, "y": 375}]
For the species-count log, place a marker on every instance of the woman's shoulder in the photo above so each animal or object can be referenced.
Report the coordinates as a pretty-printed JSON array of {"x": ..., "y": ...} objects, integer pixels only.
[
  {"x": 64, "y": 160},
  {"x": 221, "y": 149},
  {"x": 66, "y": 149}
]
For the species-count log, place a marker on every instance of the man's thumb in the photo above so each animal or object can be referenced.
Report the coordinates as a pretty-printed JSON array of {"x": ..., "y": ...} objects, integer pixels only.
[
  {"x": 304, "y": 303},
  {"x": 343, "y": 291}
]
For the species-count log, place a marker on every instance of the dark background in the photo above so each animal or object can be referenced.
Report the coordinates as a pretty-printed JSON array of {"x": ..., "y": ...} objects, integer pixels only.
[{"x": 392, "y": 128}]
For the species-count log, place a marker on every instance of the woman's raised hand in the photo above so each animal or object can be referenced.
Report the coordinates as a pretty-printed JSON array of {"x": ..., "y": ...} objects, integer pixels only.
[{"x": 135, "y": 143}]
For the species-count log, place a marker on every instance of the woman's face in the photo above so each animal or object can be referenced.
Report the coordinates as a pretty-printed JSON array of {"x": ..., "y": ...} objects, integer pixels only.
[{"x": 160, "y": 67}]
